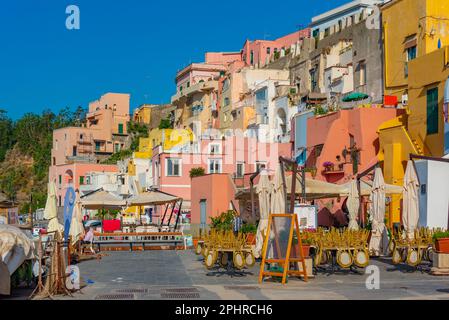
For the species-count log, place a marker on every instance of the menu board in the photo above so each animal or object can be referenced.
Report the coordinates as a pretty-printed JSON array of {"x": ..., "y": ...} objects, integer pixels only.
[{"x": 307, "y": 216}]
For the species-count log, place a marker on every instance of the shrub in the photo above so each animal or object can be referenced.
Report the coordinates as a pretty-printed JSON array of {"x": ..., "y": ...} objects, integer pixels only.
[
  {"x": 440, "y": 235},
  {"x": 197, "y": 172}
]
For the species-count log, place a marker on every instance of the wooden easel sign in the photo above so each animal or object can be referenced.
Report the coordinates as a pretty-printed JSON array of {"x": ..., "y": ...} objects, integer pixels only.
[{"x": 279, "y": 247}]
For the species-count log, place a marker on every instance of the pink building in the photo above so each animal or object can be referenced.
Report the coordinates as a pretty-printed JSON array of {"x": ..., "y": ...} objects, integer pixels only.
[
  {"x": 235, "y": 156},
  {"x": 211, "y": 195},
  {"x": 103, "y": 134},
  {"x": 78, "y": 150},
  {"x": 260, "y": 52},
  {"x": 346, "y": 141},
  {"x": 73, "y": 175}
]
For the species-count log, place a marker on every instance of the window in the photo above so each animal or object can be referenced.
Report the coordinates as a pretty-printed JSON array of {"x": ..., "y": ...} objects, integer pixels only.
[
  {"x": 340, "y": 25},
  {"x": 60, "y": 179},
  {"x": 362, "y": 69},
  {"x": 260, "y": 166},
  {"x": 97, "y": 145},
  {"x": 117, "y": 148},
  {"x": 327, "y": 32},
  {"x": 226, "y": 101},
  {"x": 214, "y": 166},
  {"x": 268, "y": 50},
  {"x": 240, "y": 172},
  {"x": 81, "y": 180},
  {"x": 188, "y": 84},
  {"x": 411, "y": 53},
  {"x": 214, "y": 148},
  {"x": 54, "y": 161},
  {"x": 313, "y": 79},
  {"x": 81, "y": 137},
  {"x": 432, "y": 111},
  {"x": 252, "y": 57},
  {"x": 74, "y": 151},
  {"x": 120, "y": 128},
  {"x": 173, "y": 167}
]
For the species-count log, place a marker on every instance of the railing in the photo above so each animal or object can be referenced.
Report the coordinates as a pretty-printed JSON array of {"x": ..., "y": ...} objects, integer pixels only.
[{"x": 143, "y": 239}]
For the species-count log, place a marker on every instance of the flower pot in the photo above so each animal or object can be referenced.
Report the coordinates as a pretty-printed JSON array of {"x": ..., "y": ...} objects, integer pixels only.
[
  {"x": 442, "y": 245},
  {"x": 305, "y": 250},
  {"x": 251, "y": 238},
  {"x": 295, "y": 250}
]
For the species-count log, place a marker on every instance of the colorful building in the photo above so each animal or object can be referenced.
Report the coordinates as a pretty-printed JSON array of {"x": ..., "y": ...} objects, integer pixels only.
[
  {"x": 75, "y": 175},
  {"x": 413, "y": 45},
  {"x": 236, "y": 156},
  {"x": 103, "y": 134},
  {"x": 339, "y": 146}
]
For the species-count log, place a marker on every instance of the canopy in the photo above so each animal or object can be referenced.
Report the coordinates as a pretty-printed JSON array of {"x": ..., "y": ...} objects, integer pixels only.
[
  {"x": 263, "y": 190},
  {"x": 317, "y": 189},
  {"x": 102, "y": 199},
  {"x": 353, "y": 205},
  {"x": 355, "y": 96},
  {"x": 152, "y": 198},
  {"x": 379, "y": 237},
  {"x": 410, "y": 213},
  {"x": 367, "y": 186}
]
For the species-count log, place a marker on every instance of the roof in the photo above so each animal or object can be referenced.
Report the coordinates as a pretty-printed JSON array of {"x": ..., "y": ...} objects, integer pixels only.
[
  {"x": 102, "y": 199},
  {"x": 342, "y": 9},
  {"x": 152, "y": 198}
]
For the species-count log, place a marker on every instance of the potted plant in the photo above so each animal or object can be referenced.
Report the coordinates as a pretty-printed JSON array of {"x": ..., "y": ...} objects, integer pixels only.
[
  {"x": 305, "y": 247},
  {"x": 328, "y": 166},
  {"x": 441, "y": 240},
  {"x": 250, "y": 230}
]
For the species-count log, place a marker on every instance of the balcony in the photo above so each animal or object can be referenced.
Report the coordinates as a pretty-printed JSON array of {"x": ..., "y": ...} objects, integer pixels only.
[{"x": 196, "y": 88}]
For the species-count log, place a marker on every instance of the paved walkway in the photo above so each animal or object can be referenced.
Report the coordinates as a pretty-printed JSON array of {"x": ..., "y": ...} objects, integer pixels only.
[{"x": 181, "y": 275}]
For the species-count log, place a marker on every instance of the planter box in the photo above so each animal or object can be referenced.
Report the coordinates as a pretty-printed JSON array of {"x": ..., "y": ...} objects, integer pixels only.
[
  {"x": 251, "y": 238},
  {"x": 305, "y": 251},
  {"x": 442, "y": 245}
]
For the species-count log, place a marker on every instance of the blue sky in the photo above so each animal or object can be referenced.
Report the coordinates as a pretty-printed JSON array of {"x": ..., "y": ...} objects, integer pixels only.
[{"x": 133, "y": 46}]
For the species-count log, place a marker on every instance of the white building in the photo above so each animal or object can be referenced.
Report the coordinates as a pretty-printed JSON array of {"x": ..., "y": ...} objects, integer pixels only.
[{"x": 433, "y": 177}]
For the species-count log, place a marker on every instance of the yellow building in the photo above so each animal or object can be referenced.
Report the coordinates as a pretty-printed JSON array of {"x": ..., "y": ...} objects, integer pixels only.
[
  {"x": 143, "y": 114},
  {"x": 167, "y": 138},
  {"x": 415, "y": 69}
]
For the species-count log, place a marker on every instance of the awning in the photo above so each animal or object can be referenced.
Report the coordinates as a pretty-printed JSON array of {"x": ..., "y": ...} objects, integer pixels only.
[
  {"x": 317, "y": 189},
  {"x": 102, "y": 199},
  {"x": 152, "y": 198}
]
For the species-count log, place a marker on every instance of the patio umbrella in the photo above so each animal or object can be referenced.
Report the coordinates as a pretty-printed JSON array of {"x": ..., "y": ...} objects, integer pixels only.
[
  {"x": 277, "y": 193},
  {"x": 353, "y": 205},
  {"x": 355, "y": 96},
  {"x": 410, "y": 214},
  {"x": 263, "y": 190},
  {"x": 379, "y": 236},
  {"x": 51, "y": 210},
  {"x": 76, "y": 226}
]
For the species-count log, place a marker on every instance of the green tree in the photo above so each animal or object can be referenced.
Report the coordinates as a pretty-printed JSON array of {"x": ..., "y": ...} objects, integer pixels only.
[{"x": 6, "y": 134}]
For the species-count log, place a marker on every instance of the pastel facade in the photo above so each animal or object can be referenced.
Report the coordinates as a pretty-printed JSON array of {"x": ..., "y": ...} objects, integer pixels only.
[
  {"x": 259, "y": 53},
  {"x": 349, "y": 140},
  {"x": 422, "y": 30},
  {"x": 338, "y": 18},
  {"x": 74, "y": 175},
  {"x": 103, "y": 134},
  {"x": 235, "y": 155}
]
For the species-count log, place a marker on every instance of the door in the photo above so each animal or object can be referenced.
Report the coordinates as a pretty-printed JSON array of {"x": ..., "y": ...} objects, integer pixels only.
[{"x": 203, "y": 215}]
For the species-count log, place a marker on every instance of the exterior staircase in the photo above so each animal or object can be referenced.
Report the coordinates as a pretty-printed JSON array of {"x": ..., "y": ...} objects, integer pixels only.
[{"x": 418, "y": 147}]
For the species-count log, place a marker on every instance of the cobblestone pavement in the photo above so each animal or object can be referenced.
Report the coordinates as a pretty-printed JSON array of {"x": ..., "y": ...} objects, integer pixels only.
[{"x": 181, "y": 275}]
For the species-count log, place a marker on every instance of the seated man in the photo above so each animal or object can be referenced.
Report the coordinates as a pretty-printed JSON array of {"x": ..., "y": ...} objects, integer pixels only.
[{"x": 89, "y": 238}]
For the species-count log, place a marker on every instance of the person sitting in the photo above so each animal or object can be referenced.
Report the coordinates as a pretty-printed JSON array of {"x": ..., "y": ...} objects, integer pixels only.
[{"x": 89, "y": 239}]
